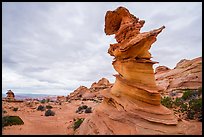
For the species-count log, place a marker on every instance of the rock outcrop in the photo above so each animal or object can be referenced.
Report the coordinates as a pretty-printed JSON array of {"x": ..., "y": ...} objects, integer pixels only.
[
  {"x": 84, "y": 93},
  {"x": 61, "y": 98},
  {"x": 186, "y": 75},
  {"x": 10, "y": 95},
  {"x": 132, "y": 105}
]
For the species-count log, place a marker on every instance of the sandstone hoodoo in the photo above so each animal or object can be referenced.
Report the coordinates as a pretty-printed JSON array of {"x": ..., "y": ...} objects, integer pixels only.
[
  {"x": 10, "y": 95},
  {"x": 132, "y": 105}
]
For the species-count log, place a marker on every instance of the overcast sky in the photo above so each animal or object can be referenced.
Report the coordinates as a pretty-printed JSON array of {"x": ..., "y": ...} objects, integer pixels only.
[{"x": 56, "y": 47}]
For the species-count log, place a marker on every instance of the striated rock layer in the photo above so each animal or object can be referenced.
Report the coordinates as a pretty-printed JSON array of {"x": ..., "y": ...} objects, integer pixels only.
[
  {"x": 186, "y": 75},
  {"x": 132, "y": 105},
  {"x": 84, "y": 93}
]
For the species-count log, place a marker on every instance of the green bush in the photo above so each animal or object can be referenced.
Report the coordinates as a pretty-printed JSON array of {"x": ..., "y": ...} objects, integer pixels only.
[
  {"x": 178, "y": 102},
  {"x": 11, "y": 120},
  {"x": 84, "y": 106},
  {"x": 196, "y": 104},
  {"x": 15, "y": 109},
  {"x": 190, "y": 114},
  {"x": 43, "y": 101},
  {"x": 79, "y": 109},
  {"x": 88, "y": 110},
  {"x": 77, "y": 123},
  {"x": 188, "y": 94},
  {"x": 167, "y": 101},
  {"x": 49, "y": 107},
  {"x": 49, "y": 113},
  {"x": 41, "y": 108},
  {"x": 195, "y": 109}
]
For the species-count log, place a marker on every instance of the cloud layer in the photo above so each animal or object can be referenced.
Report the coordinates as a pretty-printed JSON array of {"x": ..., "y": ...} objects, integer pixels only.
[{"x": 56, "y": 47}]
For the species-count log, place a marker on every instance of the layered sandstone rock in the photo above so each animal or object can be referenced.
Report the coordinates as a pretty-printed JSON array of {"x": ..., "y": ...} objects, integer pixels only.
[
  {"x": 186, "y": 75},
  {"x": 132, "y": 105},
  {"x": 78, "y": 93},
  {"x": 61, "y": 98},
  {"x": 85, "y": 93}
]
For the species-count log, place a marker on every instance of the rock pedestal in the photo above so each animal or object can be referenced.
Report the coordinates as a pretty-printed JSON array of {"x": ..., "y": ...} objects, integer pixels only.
[
  {"x": 10, "y": 95},
  {"x": 132, "y": 105}
]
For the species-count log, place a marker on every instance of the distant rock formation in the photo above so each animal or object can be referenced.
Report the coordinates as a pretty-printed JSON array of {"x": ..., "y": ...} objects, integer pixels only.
[
  {"x": 132, "y": 105},
  {"x": 10, "y": 95},
  {"x": 186, "y": 75},
  {"x": 84, "y": 93},
  {"x": 61, "y": 98}
]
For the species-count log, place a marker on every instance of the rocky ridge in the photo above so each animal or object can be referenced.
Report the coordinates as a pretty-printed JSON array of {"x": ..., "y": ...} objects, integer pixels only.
[{"x": 186, "y": 75}]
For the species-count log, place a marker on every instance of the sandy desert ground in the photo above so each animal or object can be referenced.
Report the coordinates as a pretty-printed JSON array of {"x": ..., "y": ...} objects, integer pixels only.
[{"x": 36, "y": 123}]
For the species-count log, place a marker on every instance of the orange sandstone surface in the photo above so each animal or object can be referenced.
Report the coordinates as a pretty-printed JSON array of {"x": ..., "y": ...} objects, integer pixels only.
[
  {"x": 36, "y": 123},
  {"x": 186, "y": 75},
  {"x": 132, "y": 105}
]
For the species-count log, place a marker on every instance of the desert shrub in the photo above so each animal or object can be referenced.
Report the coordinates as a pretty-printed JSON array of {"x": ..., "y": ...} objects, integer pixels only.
[
  {"x": 195, "y": 109},
  {"x": 196, "y": 104},
  {"x": 88, "y": 110},
  {"x": 41, "y": 108},
  {"x": 190, "y": 114},
  {"x": 79, "y": 108},
  {"x": 47, "y": 100},
  {"x": 4, "y": 111},
  {"x": 84, "y": 106},
  {"x": 49, "y": 112},
  {"x": 189, "y": 94},
  {"x": 199, "y": 91},
  {"x": 77, "y": 123},
  {"x": 178, "y": 102},
  {"x": 48, "y": 107},
  {"x": 15, "y": 109},
  {"x": 11, "y": 120},
  {"x": 167, "y": 101},
  {"x": 43, "y": 101},
  {"x": 183, "y": 107}
]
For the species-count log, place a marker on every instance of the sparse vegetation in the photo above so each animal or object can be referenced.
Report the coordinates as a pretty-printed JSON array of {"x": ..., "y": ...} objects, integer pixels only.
[
  {"x": 42, "y": 101},
  {"x": 15, "y": 109},
  {"x": 190, "y": 104},
  {"x": 178, "y": 102},
  {"x": 4, "y": 111},
  {"x": 11, "y": 120},
  {"x": 49, "y": 112},
  {"x": 45, "y": 101},
  {"x": 167, "y": 101},
  {"x": 200, "y": 91},
  {"x": 195, "y": 109},
  {"x": 41, "y": 108},
  {"x": 77, "y": 123},
  {"x": 189, "y": 94},
  {"x": 48, "y": 107},
  {"x": 88, "y": 110},
  {"x": 84, "y": 108}
]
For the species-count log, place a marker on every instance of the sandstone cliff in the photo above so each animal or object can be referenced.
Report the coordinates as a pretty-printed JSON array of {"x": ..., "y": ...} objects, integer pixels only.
[{"x": 186, "y": 75}]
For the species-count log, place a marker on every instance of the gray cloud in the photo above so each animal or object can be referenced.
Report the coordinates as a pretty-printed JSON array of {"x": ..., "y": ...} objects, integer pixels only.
[{"x": 56, "y": 47}]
